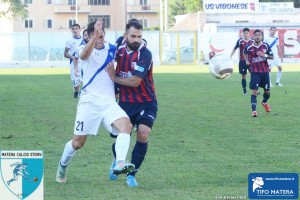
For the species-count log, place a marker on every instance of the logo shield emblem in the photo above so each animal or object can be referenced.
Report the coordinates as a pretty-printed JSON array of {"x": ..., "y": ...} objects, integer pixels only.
[{"x": 22, "y": 174}]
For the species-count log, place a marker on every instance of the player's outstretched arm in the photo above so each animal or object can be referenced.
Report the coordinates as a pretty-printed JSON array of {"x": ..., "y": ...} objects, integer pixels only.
[
  {"x": 133, "y": 81},
  {"x": 246, "y": 59},
  {"x": 232, "y": 52},
  {"x": 86, "y": 52},
  {"x": 67, "y": 55}
]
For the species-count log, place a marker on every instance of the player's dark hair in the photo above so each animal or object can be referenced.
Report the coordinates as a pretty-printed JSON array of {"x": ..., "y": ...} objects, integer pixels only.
[
  {"x": 136, "y": 24},
  {"x": 256, "y": 31},
  {"x": 73, "y": 25},
  {"x": 246, "y": 29},
  {"x": 91, "y": 28},
  {"x": 273, "y": 27},
  {"x": 85, "y": 30},
  {"x": 133, "y": 20}
]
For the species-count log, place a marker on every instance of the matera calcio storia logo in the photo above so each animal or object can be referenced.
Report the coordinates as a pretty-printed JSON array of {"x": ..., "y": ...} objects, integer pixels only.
[{"x": 22, "y": 174}]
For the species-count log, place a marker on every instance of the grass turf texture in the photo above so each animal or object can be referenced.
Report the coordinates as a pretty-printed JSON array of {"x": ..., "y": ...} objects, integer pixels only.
[{"x": 204, "y": 142}]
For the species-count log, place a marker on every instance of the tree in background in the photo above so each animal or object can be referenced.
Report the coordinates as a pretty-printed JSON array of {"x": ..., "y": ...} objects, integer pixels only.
[
  {"x": 180, "y": 7},
  {"x": 13, "y": 8}
]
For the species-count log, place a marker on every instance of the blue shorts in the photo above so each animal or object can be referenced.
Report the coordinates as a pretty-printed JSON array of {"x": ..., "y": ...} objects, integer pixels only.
[
  {"x": 260, "y": 79},
  {"x": 141, "y": 113},
  {"x": 243, "y": 67}
]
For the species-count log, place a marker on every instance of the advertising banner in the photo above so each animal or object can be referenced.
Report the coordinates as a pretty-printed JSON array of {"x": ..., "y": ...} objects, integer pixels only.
[
  {"x": 230, "y": 6},
  {"x": 277, "y": 7}
]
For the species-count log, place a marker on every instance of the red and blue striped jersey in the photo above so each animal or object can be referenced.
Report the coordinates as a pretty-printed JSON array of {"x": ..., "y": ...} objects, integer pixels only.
[
  {"x": 241, "y": 44},
  {"x": 136, "y": 63},
  {"x": 258, "y": 63}
]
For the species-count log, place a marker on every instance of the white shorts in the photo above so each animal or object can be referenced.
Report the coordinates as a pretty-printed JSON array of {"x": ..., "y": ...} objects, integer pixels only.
[
  {"x": 75, "y": 78},
  {"x": 276, "y": 62},
  {"x": 89, "y": 117}
]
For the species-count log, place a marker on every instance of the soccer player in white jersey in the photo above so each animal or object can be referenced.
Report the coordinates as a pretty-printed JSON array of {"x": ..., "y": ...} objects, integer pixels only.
[
  {"x": 273, "y": 42},
  {"x": 71, "y": 46},
  {"x": 97, "y": 104},
  {"x": 85, "y": 40}
]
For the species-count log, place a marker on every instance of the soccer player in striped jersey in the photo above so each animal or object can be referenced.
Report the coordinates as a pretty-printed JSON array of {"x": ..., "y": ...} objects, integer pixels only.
[
  {"x": 273, "y": 42},
  {"x": 256, "y": 56},
  {"x": 241, "y": 44},
  {"x": 97, "y": 105},
  {"x": 70, "y": 49},
  {"x": 137, "y": 95}
]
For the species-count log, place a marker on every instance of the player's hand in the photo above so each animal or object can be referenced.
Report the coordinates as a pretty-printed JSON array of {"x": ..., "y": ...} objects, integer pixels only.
[
  {"x": 259, "y": 53},
  {"x": 110, "y": 69},
  {"x": 98, "y": 28}
]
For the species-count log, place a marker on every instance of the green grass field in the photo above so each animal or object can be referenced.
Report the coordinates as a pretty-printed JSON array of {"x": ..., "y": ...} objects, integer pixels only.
[{"x": 203, "y": 144}]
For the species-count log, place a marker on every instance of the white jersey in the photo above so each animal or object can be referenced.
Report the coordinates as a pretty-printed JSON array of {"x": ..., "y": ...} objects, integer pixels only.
[
  {"x": 73, "y": 44},
  {"x": 273, "y": 42},
  {"x": 96, "y": 83}
]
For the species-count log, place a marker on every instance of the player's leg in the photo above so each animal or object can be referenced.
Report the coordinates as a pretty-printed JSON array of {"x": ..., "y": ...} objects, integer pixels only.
[
  {"x": 279, "y": 74},
  {"x": 265, "y": 83},
  {"x": 254, "y": 82},
  {"x": 144, "y": 122},
  {"x": 243, "y": 71},
  {"x": 13, "y": 179},
  {"x": 122, "y": 143},
  {"x": 85, "y": 123},
  {"x": 69, "y": 152},
  {"x": 75, "y": 78},
  {"x": 117, "y": 122},
  {"x": 271, "y": 65}
]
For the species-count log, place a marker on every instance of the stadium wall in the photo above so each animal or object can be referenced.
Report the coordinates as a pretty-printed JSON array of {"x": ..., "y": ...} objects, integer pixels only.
[{"x": 37, "y": 49}]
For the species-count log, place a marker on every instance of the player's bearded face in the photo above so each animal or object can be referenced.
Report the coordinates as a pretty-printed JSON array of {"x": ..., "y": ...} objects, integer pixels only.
[
  {"x": 258, "y": 37},
  {"x": 134, "y": 38},
  {"x": 133, "y": 45},
  {"x": 86, "y": 37}
]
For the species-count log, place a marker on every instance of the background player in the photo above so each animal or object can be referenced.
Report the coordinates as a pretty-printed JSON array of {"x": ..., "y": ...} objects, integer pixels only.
[
  {"x": 241, "y": 44},
  {"x": 273, "y": 42},
  {"x": 256, "y": 56},
  {"x": 71, "y": 46}
]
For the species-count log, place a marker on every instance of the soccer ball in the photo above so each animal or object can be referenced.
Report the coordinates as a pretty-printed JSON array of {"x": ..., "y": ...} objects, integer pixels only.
[{"x": 221, "y": 66}]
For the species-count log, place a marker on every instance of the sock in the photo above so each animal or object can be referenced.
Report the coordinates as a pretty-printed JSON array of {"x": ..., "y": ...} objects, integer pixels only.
[
  {"x": 122, "y": 146},
  {"x": 279, "y": 73},
  {"x": 266, "y": 96},
  {"x": 113, "y": 148},
  {"x": 244, "y": 84},
  {"x": 138, "y": 155},
  {"x": 68, "y": 154},
  {"x": 253, "y": 102}
]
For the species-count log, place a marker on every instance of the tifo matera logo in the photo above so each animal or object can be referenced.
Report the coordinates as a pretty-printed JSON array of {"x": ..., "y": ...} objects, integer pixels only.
[{"x": 258, "y": 182}]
